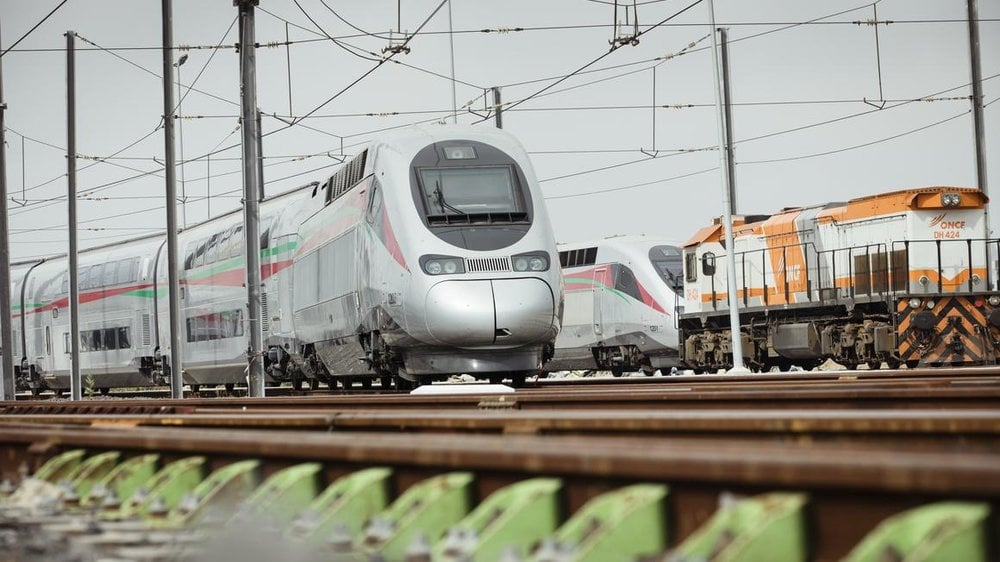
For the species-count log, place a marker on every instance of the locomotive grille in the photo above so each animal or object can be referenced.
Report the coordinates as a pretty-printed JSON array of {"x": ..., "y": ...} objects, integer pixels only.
[
  {"x": 473, "y": 265},
  {"x": 146, "y": 331},
  {"x": 265, "y": 315}
]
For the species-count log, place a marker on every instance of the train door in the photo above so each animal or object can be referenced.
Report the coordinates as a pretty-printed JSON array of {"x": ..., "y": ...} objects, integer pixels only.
[{"x": 600, "y": 277}]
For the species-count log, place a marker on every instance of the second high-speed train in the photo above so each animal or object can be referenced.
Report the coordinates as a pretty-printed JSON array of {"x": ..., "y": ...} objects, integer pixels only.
[
  {"x": 429, "y": 253},
  {"x": 622, "y": 303}
]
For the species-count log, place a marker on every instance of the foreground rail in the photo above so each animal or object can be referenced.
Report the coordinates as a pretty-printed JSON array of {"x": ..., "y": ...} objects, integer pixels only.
[{"x": 458, "y": 478}]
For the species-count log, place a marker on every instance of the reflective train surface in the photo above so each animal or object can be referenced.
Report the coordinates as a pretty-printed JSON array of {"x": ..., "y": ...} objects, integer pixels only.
[
  {"x": 622, "y": 301},
  {"x": 429, "y": 253}
]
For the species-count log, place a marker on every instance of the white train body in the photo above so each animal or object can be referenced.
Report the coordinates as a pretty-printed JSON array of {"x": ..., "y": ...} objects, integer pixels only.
[
  {"x": 621, "y": 305},
  {"x": 459, "y": 275},
  {"x": 429, "y": 254}
]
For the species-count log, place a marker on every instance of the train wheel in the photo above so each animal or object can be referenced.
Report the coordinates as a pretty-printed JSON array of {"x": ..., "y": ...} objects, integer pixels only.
[
  {"x": 874, "y": 364},
  {"x": 402, "y": 384},
  {"x": 230, "y": 387},
  {"x": 893, "y": 363},
  {"x": 385, "y": 381},
  {"x": 617, "y": 371},
  {"x": 912, "y": 363},
  {"x": 518, "y": 379},
  {"x": 195, "y": 388},
  {"x": 648, "y": 371},
  {"x": 297, "y": 384},
  {"x": 496, "y": 379},
  {"x": 104, "y": 390},
  {"x": 366, "y": 383},
  {"x": 313, "y": 384}
]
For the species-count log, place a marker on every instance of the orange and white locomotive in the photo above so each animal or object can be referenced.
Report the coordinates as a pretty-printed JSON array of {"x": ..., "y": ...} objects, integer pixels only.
[{"x": 902, "y": 277}]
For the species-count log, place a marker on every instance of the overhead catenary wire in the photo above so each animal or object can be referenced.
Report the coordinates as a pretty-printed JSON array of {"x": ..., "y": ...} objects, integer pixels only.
[{"x": 34, "y": 27}]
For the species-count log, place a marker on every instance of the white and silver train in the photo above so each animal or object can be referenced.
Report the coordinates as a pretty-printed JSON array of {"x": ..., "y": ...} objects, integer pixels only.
[
  {"x": 429, "y": 253},
  {"x": 622, "y": 303}
]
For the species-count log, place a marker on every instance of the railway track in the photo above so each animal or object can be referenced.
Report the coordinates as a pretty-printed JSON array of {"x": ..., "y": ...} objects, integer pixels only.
[{"x": 859, "y": 468}]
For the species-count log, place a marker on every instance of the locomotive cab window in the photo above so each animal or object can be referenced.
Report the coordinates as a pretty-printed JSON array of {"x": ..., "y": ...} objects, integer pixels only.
[
  {"x": 466, "y": 191},
  {"x": 690, "y": 266},
  {"x": 708, "y": 263}
]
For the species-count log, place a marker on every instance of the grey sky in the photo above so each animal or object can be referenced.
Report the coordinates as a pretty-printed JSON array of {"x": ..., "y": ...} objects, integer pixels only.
[{"x": 119, "y": 103}]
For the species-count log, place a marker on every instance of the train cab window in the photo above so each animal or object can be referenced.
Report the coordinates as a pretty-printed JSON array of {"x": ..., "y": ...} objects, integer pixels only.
[
  {"x": 691, "y": 266},
  {"x": 463, "y": 191},
  {"x": 708, "y": 263},
  {"x": 625, "y": 282},
  {"x": 667, "y": 261}
]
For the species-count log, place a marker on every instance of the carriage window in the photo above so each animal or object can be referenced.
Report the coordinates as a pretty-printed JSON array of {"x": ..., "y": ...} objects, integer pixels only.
[
  {"x": 459, "y": 191},
  {"x": 223, "y": 252},
  {"x": 212, "y": 253},
  {"x": 199, "y": 254},
  {"x": 95, "y": 276},
  {"x": 578, "y": 258},
  {"x": 108, "y": 278},
  {"x": 124, "y": 342},
  {"x": 215, "y": 326},
  {"x": 103, "y": 339},
  {"x": 237, "y": 243},
  {"x": 123, "y": 272}
]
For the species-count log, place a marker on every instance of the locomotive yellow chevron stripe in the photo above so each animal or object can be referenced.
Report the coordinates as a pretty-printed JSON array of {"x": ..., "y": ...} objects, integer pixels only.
[{"x": 962, "y": 334}]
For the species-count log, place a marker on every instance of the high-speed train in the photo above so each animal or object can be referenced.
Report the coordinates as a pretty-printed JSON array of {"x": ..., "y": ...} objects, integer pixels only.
[
  {"x": 429, "y": 253},
  {"x": 622, "y": 302}
]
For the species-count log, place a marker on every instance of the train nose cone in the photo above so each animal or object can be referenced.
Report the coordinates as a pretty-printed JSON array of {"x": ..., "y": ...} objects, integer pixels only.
[
  {"x": 524, "y": 310},
  {"x": 461, "y": 312},
  {"x": 487, "y": 312}
]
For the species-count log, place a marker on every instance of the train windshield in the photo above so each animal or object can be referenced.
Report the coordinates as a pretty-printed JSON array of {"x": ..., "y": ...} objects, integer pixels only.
[
  {"x": 467, "y": 191},
  {"x": 668, "y": 264}
]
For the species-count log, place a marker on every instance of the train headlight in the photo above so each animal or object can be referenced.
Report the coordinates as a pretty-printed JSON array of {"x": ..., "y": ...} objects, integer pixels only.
[
  {"x": 914, "y": 303},
  {"x": 994, "y": 300},
  {"x": 442, "y": 265},
  {"x": 534, "y": 261},
  {"x": 950, "y": 199}
]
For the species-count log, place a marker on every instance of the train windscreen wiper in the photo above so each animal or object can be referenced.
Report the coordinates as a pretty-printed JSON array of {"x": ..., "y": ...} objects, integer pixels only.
[{"x": 445, "y": 207}]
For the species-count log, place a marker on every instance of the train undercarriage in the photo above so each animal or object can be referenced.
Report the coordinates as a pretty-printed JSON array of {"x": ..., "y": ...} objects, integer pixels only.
[{"x": 916, "y": 331}]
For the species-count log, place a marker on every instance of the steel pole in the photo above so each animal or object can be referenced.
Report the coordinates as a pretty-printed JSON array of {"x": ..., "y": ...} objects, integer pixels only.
[
  {"x": 170, "y": 173},
  {"x": 74, "y": 289},
  {"x": 451, "y": 43},
  {"x": 977, "y": 105},
  {"x": 6, "y": 317},
  {"x": 251, "y": 193},
  {"x": 180, "y": 137},
  {"x": 727, "y": 101},
  {"x": 727, "y": 222}
]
